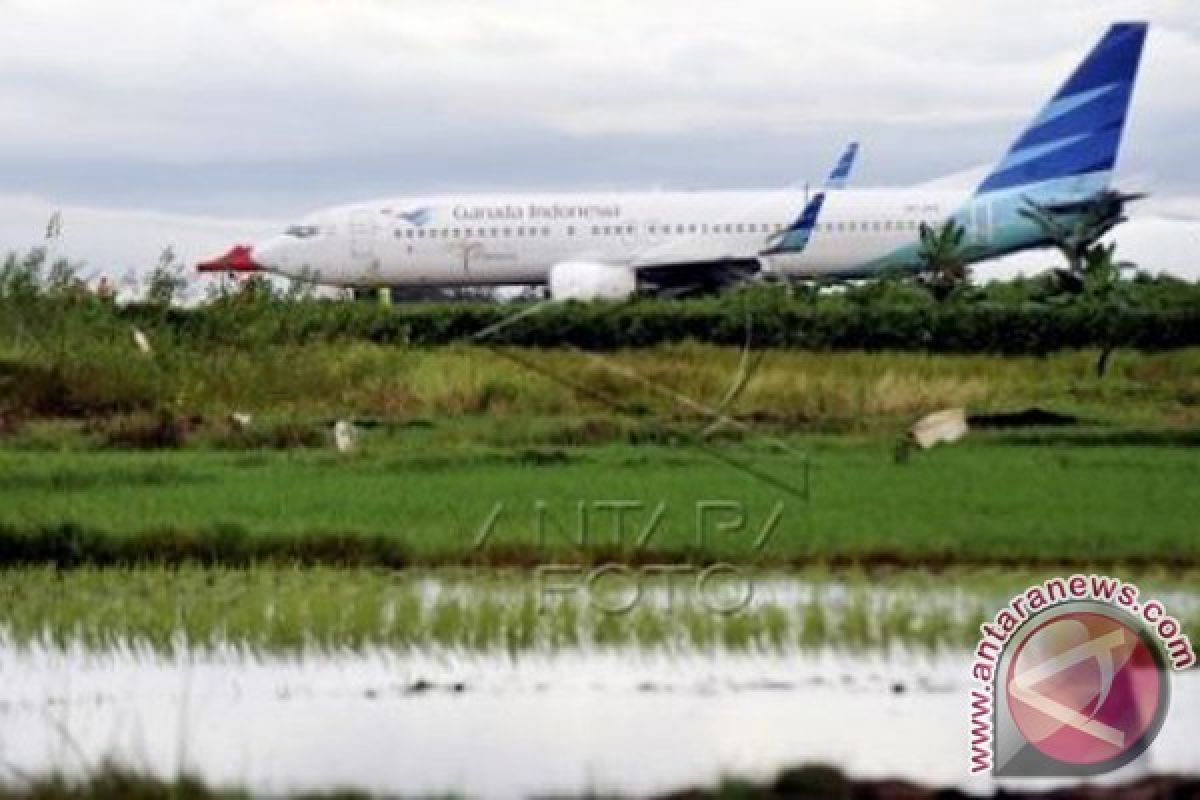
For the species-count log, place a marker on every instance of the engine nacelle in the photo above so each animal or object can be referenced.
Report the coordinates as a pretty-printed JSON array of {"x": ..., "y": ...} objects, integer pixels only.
[{"x": 589, "y": 280}]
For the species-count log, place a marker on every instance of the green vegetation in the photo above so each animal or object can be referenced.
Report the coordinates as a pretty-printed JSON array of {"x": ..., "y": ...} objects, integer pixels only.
[
  {"x": 113, "y": 782},
  {"x": 44, "y": 305},
  {"x": 283, "y": 610},
  {"x": 214, "y": 444},
  {"x": 425, "y": 496},
  {"x": 793, "y": 390},
  {"x": 943, "y": 257}
]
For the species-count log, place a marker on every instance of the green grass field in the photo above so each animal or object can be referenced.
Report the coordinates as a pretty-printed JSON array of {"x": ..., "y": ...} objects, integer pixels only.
[
  {"x": 518, "y": 456},
  {"x": 1018, "y": 499}
]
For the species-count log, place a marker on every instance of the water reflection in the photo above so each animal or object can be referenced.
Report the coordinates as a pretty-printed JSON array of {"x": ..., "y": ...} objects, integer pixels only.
[{"x": 445, "y": 720}]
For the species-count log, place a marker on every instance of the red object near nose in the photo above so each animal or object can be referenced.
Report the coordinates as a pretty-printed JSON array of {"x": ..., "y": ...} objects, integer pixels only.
[{"x": 239, "y": 259}]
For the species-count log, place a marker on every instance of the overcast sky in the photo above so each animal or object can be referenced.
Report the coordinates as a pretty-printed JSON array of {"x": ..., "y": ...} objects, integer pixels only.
[{"x": 268, "y": 108}]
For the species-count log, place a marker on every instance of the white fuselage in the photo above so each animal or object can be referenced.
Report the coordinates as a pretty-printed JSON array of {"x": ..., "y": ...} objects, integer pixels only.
[
  {"x": 606, "y": 245},
  {"x": 519, "y": 238}
]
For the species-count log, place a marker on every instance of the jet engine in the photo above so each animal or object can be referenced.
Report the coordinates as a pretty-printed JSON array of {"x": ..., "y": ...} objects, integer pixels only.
[{"x": 589, "y": 280}]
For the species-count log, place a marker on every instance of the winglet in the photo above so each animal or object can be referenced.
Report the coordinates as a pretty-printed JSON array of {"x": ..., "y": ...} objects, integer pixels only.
[
  {"x": 841, "y": 173},
  {"x": 795, "y": 238}
]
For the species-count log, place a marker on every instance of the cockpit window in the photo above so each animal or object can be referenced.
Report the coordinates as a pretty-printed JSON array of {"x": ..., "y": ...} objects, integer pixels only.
[{"x": 302, "y": 231}]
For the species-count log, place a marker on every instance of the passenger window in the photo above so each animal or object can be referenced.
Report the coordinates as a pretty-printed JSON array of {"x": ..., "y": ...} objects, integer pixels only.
[{"x": 545, "y": 231}]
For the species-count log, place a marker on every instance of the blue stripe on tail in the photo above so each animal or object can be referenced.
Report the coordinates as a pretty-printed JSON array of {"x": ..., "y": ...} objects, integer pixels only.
[
  {"x": 796, "y": 237},
  {"x": 1079, "y": 131},
  {"x": 841, "y": 173}
]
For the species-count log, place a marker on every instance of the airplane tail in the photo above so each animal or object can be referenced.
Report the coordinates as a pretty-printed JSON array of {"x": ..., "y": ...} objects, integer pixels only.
[{"x": 1071, "y": 146}]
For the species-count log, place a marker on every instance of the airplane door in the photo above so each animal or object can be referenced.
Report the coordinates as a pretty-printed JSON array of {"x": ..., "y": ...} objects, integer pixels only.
[
  {"x": 981, "y": 222},
  {"x": 363, "y": 230}
]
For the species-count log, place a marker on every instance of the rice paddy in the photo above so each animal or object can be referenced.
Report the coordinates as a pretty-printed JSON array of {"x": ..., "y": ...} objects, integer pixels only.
[
  {"x": 501, "y": 544},
  {"x": 268, "y": 610},
  {"x": 405, "y": 500}
]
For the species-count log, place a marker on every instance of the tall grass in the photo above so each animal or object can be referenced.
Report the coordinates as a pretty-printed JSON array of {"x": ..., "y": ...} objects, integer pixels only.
[
  {"x": 797, "y": 389},
  {"x": 66, "y": 353}
]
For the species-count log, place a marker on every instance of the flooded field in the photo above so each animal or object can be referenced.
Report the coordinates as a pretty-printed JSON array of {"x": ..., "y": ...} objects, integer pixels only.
[
  {"x": 618, "y": 722},
  {"x": 440, "y": 683},
  {"x": 276, "y": 610}
]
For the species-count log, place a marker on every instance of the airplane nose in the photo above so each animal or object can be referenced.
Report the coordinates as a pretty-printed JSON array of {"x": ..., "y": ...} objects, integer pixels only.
[{"x": 239, "y": 259}]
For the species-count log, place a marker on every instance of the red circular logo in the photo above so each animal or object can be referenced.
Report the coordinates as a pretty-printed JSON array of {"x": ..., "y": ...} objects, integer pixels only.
[{"x": 1085, "y": 688}]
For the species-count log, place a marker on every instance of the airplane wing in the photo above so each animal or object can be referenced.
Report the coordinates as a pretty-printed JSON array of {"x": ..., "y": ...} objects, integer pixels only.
[
  {"x": 690, "y": 278},
  {"x": 715, "y": 275}
]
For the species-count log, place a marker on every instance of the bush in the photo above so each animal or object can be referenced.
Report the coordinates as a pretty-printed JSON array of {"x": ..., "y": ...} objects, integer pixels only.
[{"x": 71, "y": 332}]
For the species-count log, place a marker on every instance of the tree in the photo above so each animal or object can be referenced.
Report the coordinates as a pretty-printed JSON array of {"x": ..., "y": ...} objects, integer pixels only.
[
  {"x": 167, "y": 280},
  {"x": 1076, "y": 230},
  {"x": 1103, "y": 288},
  {"x": 942, "y": 257}
]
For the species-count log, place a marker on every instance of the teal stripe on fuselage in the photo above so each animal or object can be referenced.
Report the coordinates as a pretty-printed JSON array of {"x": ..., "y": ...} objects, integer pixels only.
[{"x": 1008, "y": 232}]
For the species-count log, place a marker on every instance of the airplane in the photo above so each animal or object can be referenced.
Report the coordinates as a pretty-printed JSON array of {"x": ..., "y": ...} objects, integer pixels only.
[{"x": 611, "y": 245}]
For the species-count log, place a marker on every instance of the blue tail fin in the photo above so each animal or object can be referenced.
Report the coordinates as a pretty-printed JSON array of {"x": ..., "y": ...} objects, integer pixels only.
[
  {"x": 841, "y": 173},
  {"x": 1079, "y": 132},
  {"x": 795, "y": 238}
]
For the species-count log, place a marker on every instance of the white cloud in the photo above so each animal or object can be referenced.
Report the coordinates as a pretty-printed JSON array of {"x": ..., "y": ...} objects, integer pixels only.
[
  {"x": 269, "y": 107},
  {"x": 205, "y": 79},
  {"x": 122, "y": 245}
]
